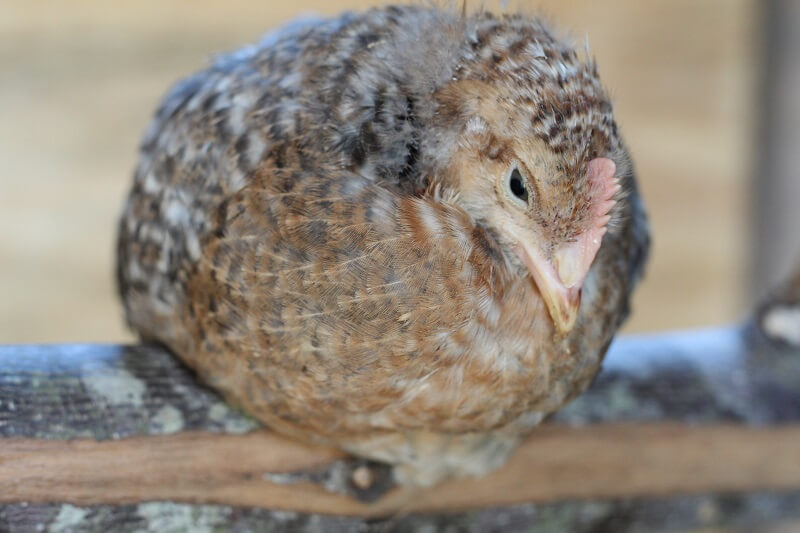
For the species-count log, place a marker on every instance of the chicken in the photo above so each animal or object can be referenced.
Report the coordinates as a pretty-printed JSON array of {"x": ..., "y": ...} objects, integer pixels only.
[{"x": 410, "y": 233}]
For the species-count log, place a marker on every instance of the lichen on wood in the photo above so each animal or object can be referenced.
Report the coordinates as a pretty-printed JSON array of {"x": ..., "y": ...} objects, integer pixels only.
[{"x": 98, "y": 437}]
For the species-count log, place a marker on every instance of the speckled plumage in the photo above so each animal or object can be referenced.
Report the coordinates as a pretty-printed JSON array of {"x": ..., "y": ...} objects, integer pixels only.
[{"x": 317, "y": 225}]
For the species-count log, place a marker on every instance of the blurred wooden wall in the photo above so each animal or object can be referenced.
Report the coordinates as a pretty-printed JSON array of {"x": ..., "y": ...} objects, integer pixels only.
[{"x": 79, "y": 80}]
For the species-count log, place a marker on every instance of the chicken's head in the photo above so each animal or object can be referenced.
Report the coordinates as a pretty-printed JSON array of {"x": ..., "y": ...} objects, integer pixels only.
[{"x": 549, "y": 198}]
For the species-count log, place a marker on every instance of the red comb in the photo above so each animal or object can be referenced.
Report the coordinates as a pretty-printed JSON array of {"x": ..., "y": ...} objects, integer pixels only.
[
  {"x": 574, "y": 260},
  {"x": 604, "y": 186}
]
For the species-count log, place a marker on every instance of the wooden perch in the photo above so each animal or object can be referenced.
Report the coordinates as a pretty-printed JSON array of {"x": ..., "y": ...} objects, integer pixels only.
[
  {"x": 95, "y": 432},
  {"x": 108, "y": 428},
  {"x": 557, "y": 463}
]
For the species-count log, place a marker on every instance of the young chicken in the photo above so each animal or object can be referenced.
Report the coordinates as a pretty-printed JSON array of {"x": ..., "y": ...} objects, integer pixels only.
[{"x": 410, "y": 233}]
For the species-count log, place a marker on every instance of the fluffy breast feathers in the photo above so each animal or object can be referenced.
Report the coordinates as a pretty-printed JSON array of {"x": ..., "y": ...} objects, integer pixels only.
[{"x": 316, "y": 226}]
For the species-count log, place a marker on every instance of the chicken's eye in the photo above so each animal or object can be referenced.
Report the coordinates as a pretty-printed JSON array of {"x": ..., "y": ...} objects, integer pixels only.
[{"x": 516, "y": 185}]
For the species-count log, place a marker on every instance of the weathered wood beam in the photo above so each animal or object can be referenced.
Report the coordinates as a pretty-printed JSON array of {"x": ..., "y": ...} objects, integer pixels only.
[
  {"x": 109, "y": 434},
  {"x": 110, "y": 425},
  {"x": 558, "y": 463}
]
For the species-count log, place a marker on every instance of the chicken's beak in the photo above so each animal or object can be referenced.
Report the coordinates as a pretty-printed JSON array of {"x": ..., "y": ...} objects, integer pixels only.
[
  {"x": 562, "y": 299},
  {"x": 560, "y": 277}
]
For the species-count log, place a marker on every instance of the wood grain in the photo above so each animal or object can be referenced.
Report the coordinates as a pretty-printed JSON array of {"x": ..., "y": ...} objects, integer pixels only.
[
  {"x": 556, "y": 463},
  {"x": 676, "y": 430}
]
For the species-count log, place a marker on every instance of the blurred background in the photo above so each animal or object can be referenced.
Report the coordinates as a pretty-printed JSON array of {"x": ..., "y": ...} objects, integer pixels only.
[{"x": 703, "y": 89}]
